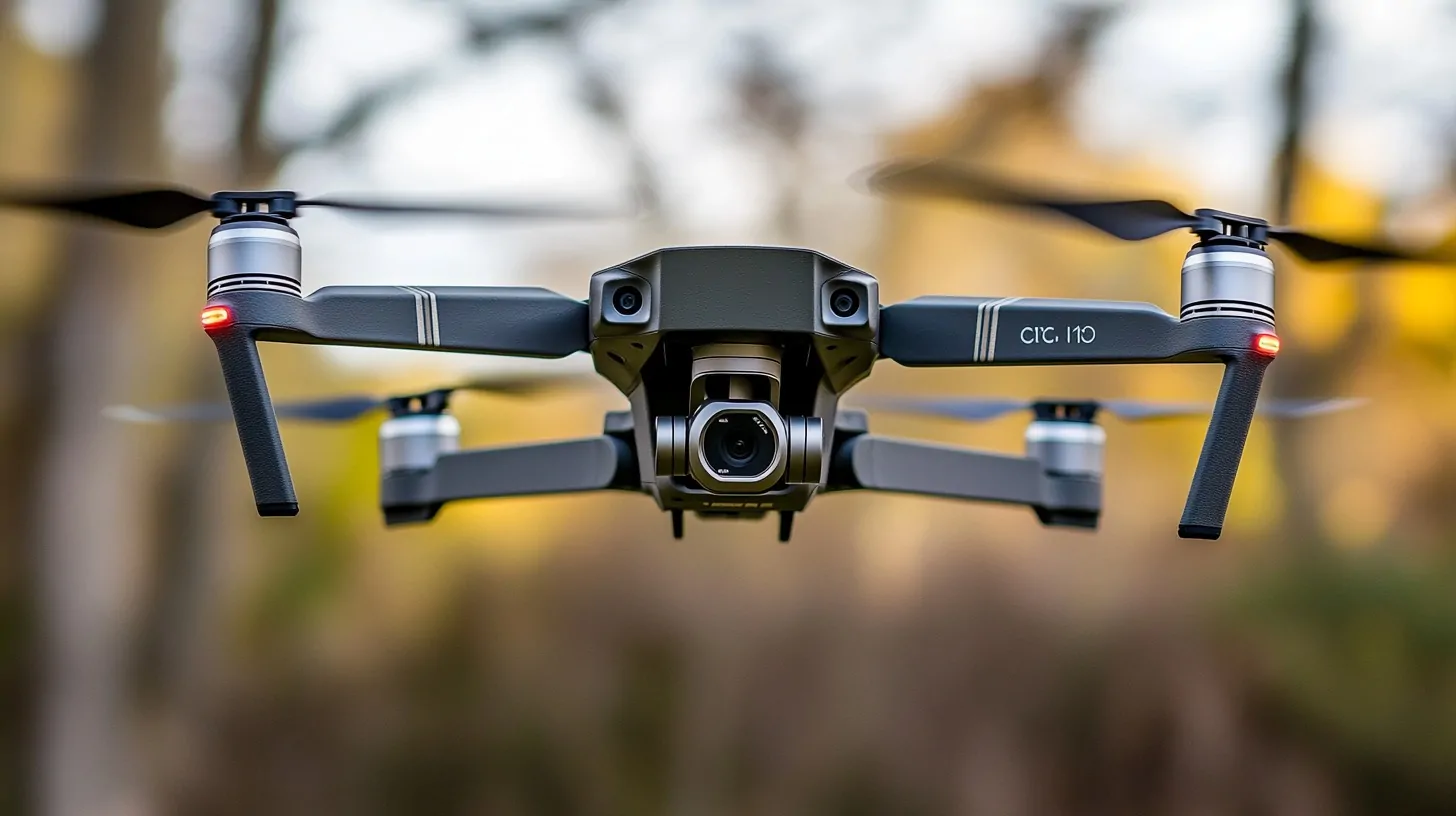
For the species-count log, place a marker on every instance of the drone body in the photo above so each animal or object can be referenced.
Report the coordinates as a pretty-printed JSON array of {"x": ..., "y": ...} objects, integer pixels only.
[{"x": 734, "y": 360}]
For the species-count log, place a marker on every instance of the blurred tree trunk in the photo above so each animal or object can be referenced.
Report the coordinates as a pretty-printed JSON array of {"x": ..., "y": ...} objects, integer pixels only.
[
  {"x": 1299, "y": 372},
  {"x": 84, "y": 343},
  {"x": 183, "y": 611},
  {"x": 1303, "y": 372}
]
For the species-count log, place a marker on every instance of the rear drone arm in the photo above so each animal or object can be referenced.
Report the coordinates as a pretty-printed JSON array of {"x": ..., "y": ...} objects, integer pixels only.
[
  {"x": 868, "y": 462},
  {"x": 572, "y": 466},
  {"x": 516, "y": 321},
  {"x": 952, "y": 331}
]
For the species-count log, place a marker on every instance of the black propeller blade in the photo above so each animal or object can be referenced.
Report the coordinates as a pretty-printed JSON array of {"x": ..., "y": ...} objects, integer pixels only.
[
  {"x": 147, "y": 209},
  {"x": 1133, "y": 220},
  {"x": 486, "y": 210},
  {"x": 161, "y": 208},
  {"x": 349, "y": 407},
  {"x": 973, "y": 409}
]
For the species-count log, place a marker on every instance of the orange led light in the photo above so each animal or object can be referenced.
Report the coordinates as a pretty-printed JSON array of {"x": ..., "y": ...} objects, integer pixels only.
[
  {"x": 1266, "y": 344},
  {"x": 217, "y": 317}
]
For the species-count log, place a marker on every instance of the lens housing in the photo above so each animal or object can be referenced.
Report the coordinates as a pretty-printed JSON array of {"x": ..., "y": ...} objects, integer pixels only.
[
  {"x": 737, "y": 446},
  {"x": 844, "y": 302},
  {"x": 627, "y": 300}
]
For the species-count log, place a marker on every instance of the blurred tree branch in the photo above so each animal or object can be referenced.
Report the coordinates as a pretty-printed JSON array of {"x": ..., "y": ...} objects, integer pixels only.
[
  {"x": 1304, "y": 372},
  {"x": 487, "y": 33}
]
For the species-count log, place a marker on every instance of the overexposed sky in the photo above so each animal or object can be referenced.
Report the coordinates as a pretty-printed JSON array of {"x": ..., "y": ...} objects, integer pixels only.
[{"x": 1186, "y": 83}]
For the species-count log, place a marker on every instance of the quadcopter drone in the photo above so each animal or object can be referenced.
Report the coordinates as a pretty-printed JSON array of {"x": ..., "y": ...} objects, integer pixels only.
[{"x": 734, "y": 360}]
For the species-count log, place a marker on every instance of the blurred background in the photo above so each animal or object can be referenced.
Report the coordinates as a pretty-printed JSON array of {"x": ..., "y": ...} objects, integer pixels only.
[{"x": 163, "y": 650}]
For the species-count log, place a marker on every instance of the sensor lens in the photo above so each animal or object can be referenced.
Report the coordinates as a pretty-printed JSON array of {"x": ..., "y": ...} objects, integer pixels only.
[
  {"x": 627, "y": 300},
  {"x": 844, "y": 302},
  {"x": 739, "y": 444}
]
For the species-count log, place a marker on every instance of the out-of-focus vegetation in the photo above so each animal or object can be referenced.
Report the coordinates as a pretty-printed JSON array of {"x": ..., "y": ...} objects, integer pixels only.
[{"x": 164, "y": 650}]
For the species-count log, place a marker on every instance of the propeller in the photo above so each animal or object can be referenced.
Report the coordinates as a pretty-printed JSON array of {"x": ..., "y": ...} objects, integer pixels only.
[
  {"x": 974, "y": 409},
  {"x": 1130, "y": 220},
  {"x": 349, "y": 407},
  {"x": 165, "y": 207}
]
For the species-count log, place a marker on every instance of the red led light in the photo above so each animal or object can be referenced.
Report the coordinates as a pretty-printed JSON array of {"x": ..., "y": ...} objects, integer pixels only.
[
  {"x": 217, "y": 317},
  {"x": 1266, "y": 344}
]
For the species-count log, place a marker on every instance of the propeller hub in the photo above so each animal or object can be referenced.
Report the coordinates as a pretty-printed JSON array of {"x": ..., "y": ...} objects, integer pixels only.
[
  {"x": 430, "y": 403},
  {"x": 1055, "y": 410},
  {"x": 1219, "y": 226},
  {"x": 280, "y": 203}
]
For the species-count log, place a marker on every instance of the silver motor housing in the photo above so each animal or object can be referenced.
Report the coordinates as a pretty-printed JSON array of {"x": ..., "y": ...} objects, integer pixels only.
[
  {"x": 416, "y": 441},
  {"x": 254, "y": 253},
  {"x": 1223, "y": 280},
  {"x": 1067, "y": 447}
]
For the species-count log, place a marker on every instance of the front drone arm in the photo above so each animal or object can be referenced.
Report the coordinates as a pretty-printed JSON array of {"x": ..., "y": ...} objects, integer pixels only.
[
  {"x": 951, "y": 331},
  {"x": 573, "y": 466},
  {"x": 516, "y": 321},
  {"x": 868, "y": 462}
]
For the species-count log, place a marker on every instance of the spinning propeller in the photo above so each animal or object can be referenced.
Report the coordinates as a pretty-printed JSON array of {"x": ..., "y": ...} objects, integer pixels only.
[
  {"x": 1131, "y": 220},
  {"x": 351, "y": 407},
  {"x": 161, "y": 208},
  {"x": 973, "y": 409}
]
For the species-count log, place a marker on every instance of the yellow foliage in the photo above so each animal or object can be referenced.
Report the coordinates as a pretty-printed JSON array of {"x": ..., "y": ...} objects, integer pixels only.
[
  {"x": 1317, "y": 309},
  {"x": 1358, "y": 512},
  {"x": 1421, "y": 305}
]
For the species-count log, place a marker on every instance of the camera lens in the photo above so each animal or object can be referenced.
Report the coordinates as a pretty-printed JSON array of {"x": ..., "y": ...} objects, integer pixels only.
[
  {"x": 844, "y": 302},
  {"x": 738, "y": 447},
  {"x": 627, "y": 300},
  {"x": 739, "y": 444}
]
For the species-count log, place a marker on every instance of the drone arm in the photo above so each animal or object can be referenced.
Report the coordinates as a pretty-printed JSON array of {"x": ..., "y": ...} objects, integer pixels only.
[
  {"x": 950, "y": 331},
  {"x": 517, "y": 321},
  {"x": 958, "y": 331},
  {"x": 572, "y": 466},
  {"x": 252, "y": 407},
  {"x": 1223, "y": 445},
  {"x": 868, "y": 462}
]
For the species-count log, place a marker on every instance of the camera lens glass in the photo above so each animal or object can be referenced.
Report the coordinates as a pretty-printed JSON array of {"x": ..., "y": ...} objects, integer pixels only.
[
  {"x": 844, "y": 302},
  {"x": 739, "y": 444},
  {"x": 627, "y": 300}
]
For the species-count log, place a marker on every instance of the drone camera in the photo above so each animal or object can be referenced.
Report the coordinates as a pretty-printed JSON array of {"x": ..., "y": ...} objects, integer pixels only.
[
  {"x": 254, "y": 251},
  {"x": 1228, "y": 280},
  {"x": 416, "y": 441},
  {"x": 739, "y": 446},
  {"x": 845, "y": 303},
  {"x": 626, "y": 301}
]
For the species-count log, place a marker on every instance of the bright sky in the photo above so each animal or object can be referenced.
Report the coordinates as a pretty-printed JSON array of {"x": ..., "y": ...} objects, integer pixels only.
[{"x": 1186, "y": 83}]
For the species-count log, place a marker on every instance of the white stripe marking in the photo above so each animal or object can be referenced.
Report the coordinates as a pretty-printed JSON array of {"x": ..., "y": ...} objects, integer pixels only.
[
  {"x": 434, "y": 316},
  {"x": 429, "y": 318},
  {"x": 995, "y": 323},
  {"x": 983, "y": 340},
  {"x": 419, "y": 314},
  {"x": 976, "y": 349}
]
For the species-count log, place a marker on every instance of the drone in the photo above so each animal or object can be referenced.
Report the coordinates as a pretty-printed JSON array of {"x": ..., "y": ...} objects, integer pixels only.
[{"x": 734, "y": 359}]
